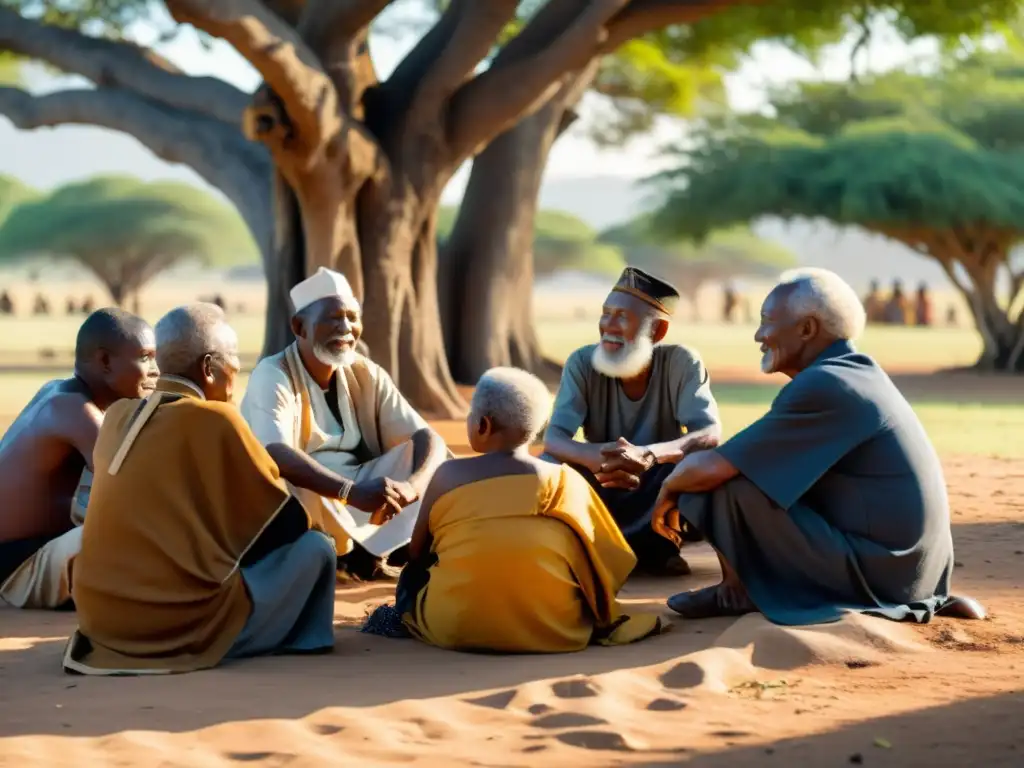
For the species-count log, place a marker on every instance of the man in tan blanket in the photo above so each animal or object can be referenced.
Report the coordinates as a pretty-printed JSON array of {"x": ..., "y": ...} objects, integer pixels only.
[
  {"x": 193, "y": 550},
  {"x": 46, "y": 457},
  {"x": 355, "y": 452}
]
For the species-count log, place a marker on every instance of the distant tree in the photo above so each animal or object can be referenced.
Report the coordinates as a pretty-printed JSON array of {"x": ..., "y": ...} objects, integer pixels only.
[
  {"x": 938, "y": 166},
  {"x": 126, "y": 232},
  {"x": 13, "y": 192},
  {"x": 723, "y": 255}
]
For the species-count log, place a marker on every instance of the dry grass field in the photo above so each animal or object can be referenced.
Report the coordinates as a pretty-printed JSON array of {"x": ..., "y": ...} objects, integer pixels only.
[{"x": 715, "y": 693}]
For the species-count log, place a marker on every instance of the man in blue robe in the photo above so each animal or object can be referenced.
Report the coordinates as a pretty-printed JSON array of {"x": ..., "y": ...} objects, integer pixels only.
[{"x": 834, "y": 500}]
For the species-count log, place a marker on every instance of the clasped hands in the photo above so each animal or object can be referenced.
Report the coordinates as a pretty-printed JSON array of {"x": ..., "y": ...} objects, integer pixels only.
[
  {"x": 622, "y": 464},
  {"x": 382, "y": 497}
]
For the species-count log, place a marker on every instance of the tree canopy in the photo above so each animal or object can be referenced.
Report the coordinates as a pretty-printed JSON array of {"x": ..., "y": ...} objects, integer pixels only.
[
  {"x": 934, "y": 161},
  {"x": 561, "y": 243},
  {"x": 126, "y": 231},
  {"x": 13, "y": 192},
  {"x": 359, "y": 162}
]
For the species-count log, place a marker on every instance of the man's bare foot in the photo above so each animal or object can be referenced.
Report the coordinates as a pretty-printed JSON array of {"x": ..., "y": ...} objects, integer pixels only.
[{"x": 725, "y": 599}]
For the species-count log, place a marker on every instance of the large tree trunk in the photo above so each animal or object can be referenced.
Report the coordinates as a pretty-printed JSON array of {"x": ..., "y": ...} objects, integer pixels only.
[
  {"x": 486, "y": 278},
  {"x": 982, "y": 256},
  {"x": 284, "y": 265}
]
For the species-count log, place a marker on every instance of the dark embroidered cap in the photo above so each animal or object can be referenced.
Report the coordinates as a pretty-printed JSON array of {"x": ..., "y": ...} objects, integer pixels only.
[{"x": 648, "y": 288}]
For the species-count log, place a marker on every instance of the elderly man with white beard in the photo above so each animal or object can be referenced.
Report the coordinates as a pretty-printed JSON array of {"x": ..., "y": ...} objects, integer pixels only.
[
  {"x": 353, "y": 450},
  {"x": 641, "y": 406}
]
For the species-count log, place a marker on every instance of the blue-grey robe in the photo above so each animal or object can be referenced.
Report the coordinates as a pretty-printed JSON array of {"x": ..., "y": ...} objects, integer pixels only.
[{"x": 842, "y": 503}]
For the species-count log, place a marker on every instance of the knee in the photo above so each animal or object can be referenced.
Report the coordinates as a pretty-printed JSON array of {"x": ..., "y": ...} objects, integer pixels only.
[{"x": 321, "y": 549}]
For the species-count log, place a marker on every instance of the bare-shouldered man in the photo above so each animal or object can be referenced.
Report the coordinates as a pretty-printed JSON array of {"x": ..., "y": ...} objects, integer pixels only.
[{"x": 46, "y": 455}]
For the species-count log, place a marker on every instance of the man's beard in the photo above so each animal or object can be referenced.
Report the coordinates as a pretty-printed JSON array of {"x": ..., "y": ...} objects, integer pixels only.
[
  {"x": 630, "y": 360},
  {"x": 768, "y": 361},
  {"x": 342, "y": 359}
]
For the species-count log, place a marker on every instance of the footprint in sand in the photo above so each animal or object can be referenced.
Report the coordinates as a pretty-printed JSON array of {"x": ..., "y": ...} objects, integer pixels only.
[
  {"x": 685, "y": 675},
  {"x": 605, "y": 741},
  {"x": 499, "y": 700},
  {"x": 666, "y": 705},
  {"x": 567, "y": 720},
  {"x": 325, "y": 729},
  {"x": 252, "y": 757},
  {"x": 579, "y": 688},
  {"x": 538, "y": 709}
]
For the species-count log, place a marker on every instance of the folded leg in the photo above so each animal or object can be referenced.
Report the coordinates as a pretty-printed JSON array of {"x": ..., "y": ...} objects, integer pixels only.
[{"x": 292, "y": 593}]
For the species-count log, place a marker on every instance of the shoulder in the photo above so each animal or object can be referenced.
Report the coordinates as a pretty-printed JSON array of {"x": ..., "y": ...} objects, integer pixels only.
[
  {"x": 579, "y": 362},
  {"x": 828, "y": 384},
  {"x": 204, "y": 417},
  {"x": 447, "y": 477},
  {"x": 364, "y": 368},
  {"x": 270, "y": 369},
  {"x": 66, "y": 409},
  {"x": 678, "y": 357}
]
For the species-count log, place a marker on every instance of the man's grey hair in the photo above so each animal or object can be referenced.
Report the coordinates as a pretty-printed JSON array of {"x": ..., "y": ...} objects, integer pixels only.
[
  {"x": 824, "y": 295},
  {"x": 514, "y": 400},
  {"x": 188, "y": 333}
]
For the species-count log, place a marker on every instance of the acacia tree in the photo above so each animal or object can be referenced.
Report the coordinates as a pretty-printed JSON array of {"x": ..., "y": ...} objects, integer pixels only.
[
  {"x": 722, "y": 255},
  {"x": 126, "y": 232},
  {"x": 942, "y": 171},
  {"x": 359, "y": 163}
]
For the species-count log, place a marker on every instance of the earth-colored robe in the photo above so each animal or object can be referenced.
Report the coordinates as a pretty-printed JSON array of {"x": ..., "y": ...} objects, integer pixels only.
[
  {"x": 181, "y": 491},
  {"x": 842, "y": 503},
  {"x": 283, "y": 404},
  {"x": 524, "y": 564}
]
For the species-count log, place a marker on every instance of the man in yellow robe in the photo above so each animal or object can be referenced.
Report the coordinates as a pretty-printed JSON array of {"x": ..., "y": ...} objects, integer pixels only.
[
  {"x": 351, "y": 447},
  {"x": 193, "y": 550}
]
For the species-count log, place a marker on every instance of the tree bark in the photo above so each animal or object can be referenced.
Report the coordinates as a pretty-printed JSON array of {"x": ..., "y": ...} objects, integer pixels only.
[{"x": 486, "y": 276}]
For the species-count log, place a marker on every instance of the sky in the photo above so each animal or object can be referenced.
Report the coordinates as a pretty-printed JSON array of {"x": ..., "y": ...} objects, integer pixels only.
[{"x": 49, "y": 157}]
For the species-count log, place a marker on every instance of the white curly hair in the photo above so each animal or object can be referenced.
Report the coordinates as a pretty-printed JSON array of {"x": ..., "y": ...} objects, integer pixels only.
[
  {"x": 514, "y": 400},
  {"x": 824, "y": 295}
]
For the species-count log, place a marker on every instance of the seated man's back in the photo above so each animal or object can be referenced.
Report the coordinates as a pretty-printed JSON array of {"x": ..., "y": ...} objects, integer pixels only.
[
  {"x": 512, "y": 553},
  {"x": 46, "y": 455},
  {"x": 183, "y": 493}
]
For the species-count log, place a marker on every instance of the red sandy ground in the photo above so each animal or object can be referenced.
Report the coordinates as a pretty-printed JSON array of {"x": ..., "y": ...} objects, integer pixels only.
[{"x": 381, "y": 702}]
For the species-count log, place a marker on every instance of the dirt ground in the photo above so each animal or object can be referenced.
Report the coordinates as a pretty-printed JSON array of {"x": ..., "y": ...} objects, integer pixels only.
[{"x": 713, "y": 693}]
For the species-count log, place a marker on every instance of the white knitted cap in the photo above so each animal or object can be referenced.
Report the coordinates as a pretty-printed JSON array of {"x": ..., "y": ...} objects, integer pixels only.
[{"x": 320, "y": 285}]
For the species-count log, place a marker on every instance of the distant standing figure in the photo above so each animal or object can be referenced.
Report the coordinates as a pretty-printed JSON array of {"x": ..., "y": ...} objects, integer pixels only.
[
  {"x": 731, "y": 300},
  {"x": 6, "y": 304},
  {"x": 41, "y": 306},
  {"x": 71, "y": 308},
  {"x": 923, "y": 309},
  {"x": 874, "y": 307},
  {"x": 951, "y": 319},
  {"x": 88, "y": 305},
  {"x": 897, "y": 311}
]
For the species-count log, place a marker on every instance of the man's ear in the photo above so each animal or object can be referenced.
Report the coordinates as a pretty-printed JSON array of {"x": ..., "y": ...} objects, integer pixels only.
[
  {"x": 659, "y": 330},
  {"x": 809, "y": 328},
  {"x": 486, "y": 426},
  {"x": 207, "y": 366},
  {"x": 103, "y": 358},
  {"x": 297, "y": 326}
]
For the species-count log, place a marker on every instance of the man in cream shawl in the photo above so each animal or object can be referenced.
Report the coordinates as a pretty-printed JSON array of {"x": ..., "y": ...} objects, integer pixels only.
[{"x": 350, "y": 446}]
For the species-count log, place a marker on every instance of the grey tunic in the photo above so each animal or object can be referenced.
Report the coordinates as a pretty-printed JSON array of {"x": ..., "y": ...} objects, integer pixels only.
[
  {"x": 678, "y": 399},
  {"x": 849, "y": 512}
]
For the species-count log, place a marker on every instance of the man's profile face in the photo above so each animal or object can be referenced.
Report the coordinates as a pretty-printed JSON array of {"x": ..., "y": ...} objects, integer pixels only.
[
  {"x": 130, "y": 369},
  {"x": 223, "y": 368},
  {"x": 331, "y": 327},
  {"x": 782, "y": 336}
]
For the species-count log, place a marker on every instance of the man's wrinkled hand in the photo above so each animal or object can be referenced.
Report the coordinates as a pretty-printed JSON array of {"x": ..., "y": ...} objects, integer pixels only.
[
  {"x": 623, "y": 456},
  {"x": 618, "y": 478},
  {"x": 665, "y": 519},
  {"x": 382, "y": 497}
]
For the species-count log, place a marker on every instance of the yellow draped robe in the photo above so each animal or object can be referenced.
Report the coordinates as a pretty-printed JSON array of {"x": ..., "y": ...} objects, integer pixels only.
[
  {"x": 526, "y": 564},
  {"x": 181, "y": 490}
]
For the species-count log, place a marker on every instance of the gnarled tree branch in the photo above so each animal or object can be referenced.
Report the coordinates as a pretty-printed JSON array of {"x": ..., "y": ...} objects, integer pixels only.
[
  {"x": 643, "y": 16},
  {"x": 122, "y": 65},
  {"x": 216, "y": 151},
  {"x": 530, "y": 72},
  {"x": 277, "y": 50}
]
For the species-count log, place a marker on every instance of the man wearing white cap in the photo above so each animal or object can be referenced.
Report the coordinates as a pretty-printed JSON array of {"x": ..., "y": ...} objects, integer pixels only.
[{"x": 356, "y": 453}]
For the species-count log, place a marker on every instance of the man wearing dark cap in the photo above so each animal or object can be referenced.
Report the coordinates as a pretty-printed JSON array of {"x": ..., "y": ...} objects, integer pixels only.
[
  {"x": 641, "y": 405},
  {"x": 46, "y": 456}
]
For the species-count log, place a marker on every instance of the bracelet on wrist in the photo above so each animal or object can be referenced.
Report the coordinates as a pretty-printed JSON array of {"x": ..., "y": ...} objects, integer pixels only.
[{"x": 345, "y": 491}]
